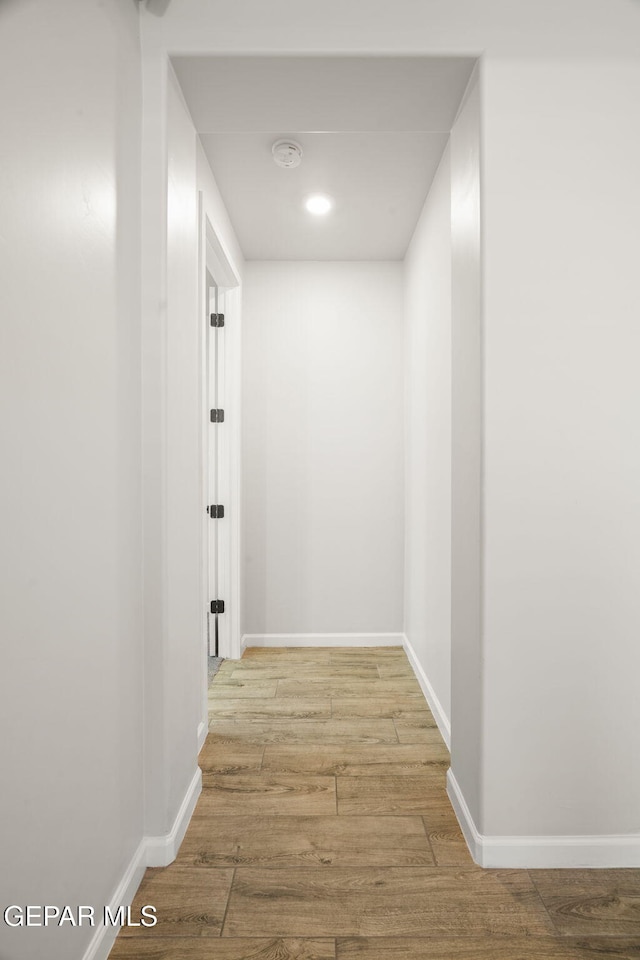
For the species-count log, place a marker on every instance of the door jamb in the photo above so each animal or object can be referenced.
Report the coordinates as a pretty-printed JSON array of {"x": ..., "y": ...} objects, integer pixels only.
[{"x": 213, "y": 259}]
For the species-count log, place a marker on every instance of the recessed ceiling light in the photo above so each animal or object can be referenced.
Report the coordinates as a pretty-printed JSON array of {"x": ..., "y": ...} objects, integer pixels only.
[{"x": 318, "y": 204}]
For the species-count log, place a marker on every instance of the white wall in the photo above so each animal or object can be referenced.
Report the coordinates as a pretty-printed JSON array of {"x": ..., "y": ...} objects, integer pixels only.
[
  {"x": 428, "y": 439},
  {"x": 175, "y": 666},
  {"x": 171, "y": 424},
  {"x": 175, "y": 673},
  {"x": 323, "y": 447},
  {"x": 183, "y": 489},
  {"x": 71, "y": 805},
  {"x": 562, "y": 459},
  {"x": 466, "y": 450},
  {"x": 557, "y": 28},
  {"x": 217, "y": 213}
]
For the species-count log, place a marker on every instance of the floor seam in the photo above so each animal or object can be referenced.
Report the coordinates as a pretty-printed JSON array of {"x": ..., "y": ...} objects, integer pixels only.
[
  {"x": 544, "y": 906},
  {"x": 426, "y": 833},
  {"x": 226, "y": 908}
]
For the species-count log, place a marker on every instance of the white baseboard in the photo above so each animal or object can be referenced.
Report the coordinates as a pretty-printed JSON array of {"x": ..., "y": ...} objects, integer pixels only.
[
  {"x": 322, "y": 640},
  {"x": 161, "y": 851},
  {"x": 430, "y": 695},
  {"x": 203, "y": 729},
  {"x": 103, "y": 939},
  {"x": 462, "y": 812},
  {"x": 540, "y": 852},
  {"x": 151, "y": 852}
]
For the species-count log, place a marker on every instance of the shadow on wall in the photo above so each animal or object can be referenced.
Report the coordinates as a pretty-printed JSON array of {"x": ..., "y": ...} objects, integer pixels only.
[{"x": 158, "y": 7}]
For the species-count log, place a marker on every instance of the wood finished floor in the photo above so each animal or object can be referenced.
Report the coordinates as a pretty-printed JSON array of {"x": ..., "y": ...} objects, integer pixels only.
[{"x": 324, "y": 832}]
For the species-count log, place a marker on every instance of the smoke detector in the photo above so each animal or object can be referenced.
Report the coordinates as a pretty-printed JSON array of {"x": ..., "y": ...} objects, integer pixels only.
[{"x": 287, "y": 154}]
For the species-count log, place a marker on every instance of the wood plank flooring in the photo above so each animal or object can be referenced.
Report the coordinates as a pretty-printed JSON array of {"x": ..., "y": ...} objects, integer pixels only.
[{"x": 324, "y": 833}]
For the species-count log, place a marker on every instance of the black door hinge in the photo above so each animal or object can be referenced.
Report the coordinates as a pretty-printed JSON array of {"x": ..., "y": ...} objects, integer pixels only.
[
  {"x": 216, "y": 511},
  {"x": 217, "y": 606},
  {"x": 217, "y": 319},
  {"x": 217, "y": 416}
]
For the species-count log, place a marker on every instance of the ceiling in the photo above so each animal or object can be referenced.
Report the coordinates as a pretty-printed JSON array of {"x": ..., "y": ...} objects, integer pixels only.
[{"x": 372, "y": 130}]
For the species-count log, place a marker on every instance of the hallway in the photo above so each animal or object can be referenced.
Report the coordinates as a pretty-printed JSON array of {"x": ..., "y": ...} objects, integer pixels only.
[{"x": 324, "y": 831}]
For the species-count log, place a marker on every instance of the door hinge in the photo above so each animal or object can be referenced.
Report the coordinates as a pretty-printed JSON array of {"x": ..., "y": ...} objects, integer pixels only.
[
  {"x": 217, "y": 416},
  {"x": 217, "y": 606},
  {"x": 217, "y": 319},
  {"x": 216, "y": 511}
]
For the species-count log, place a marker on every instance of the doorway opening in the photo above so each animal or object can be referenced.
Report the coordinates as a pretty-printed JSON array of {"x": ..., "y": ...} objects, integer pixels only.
[
  {"x": 220, "y": 450},
  {"x": 346, "y": 346}
]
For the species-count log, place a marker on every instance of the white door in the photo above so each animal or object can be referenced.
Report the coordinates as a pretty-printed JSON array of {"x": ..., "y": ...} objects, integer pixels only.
[{"x": 217, "y": 486}]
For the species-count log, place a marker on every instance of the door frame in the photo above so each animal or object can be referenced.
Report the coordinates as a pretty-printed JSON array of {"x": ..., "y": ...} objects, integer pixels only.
[{"x": 213, "y": 260}]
